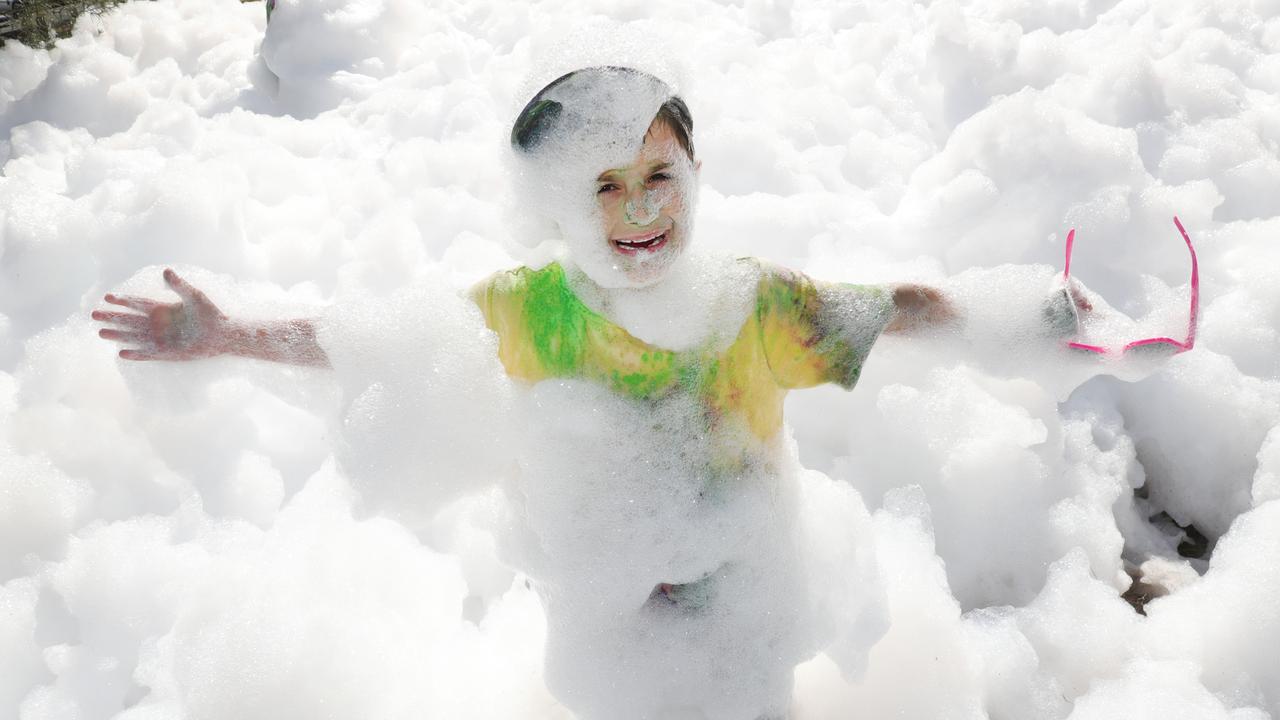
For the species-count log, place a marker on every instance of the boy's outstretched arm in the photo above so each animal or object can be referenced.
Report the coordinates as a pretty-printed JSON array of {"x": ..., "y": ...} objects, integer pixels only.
[
  {"x": 920, "y": 307},
  {"x": 194, "y": 328}
]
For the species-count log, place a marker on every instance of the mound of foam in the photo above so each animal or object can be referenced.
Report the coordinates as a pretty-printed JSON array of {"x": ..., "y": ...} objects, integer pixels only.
[{"x": 427, "y": 408}]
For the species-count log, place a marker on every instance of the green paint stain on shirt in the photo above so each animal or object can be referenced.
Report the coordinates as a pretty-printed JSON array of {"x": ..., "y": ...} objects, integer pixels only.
[{"x": 557, "y": 322}]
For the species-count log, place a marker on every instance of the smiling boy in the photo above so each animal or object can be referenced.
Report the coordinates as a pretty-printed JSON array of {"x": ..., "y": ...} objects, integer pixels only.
[
  {"x": 669, "y": 566},
  {"x": 610, "y": 313}
]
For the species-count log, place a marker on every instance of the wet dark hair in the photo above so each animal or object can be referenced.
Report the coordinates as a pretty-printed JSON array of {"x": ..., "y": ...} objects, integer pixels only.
[{"x": 539, "y": 119}]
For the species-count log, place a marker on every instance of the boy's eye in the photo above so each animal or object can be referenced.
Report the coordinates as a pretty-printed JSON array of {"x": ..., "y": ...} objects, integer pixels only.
[
  {"x": 605, "y": 188},
  {"x": 659, "y": 177}
]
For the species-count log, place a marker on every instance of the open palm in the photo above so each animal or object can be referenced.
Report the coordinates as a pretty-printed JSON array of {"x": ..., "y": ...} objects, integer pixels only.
[{"x": 189, "y": 329}]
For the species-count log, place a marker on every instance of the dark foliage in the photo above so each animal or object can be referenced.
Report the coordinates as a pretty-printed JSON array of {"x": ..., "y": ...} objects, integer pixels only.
[{"x": 38, "y": 23}]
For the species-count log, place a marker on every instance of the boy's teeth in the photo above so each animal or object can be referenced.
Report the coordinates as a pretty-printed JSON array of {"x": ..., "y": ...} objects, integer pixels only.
[{"x": 641, "y": 243}]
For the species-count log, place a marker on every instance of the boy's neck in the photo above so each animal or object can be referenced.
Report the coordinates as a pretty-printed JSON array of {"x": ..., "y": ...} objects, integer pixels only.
[{"x": 689, "y": 307}]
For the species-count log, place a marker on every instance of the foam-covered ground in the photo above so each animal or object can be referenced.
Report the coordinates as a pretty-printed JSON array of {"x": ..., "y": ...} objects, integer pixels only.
[{"x": 231, "y": 539}]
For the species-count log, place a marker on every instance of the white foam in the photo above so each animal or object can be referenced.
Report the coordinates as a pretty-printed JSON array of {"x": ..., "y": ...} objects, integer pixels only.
[{"x": 230, "y": 538}]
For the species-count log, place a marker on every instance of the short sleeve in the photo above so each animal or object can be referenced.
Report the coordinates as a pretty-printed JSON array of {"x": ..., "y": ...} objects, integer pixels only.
[
  {"x": 814, "y": 333},
  {"x": 498, "y": 297},
  {"x": 502, "y": 298}
]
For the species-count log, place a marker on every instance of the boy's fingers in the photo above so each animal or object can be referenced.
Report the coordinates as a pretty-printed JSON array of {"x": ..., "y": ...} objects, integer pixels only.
[
  {"x": 182, "y": 287},
  {"x": 130, "y": 301},
  {"x": 132, "y": 320},
  {"x": 140, "y": 355},
  {"x": 123, "y": 336},
  {"x": 1060, "y": 313},
  {"x": 1078, "y": 295}
]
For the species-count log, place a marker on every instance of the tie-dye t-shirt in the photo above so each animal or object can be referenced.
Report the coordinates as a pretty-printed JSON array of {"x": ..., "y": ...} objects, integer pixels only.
[{"x": 801, "y": 333}]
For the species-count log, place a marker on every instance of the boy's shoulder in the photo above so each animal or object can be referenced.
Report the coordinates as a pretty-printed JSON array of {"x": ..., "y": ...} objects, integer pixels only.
[
  {"x": 515, "y": 281},
  {"x": 768, "y": 271},
  {"x": 778, "y": 283}
]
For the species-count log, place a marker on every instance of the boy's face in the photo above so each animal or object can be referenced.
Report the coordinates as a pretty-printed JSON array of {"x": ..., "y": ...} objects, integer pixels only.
[{"x": 646, "y": 208}]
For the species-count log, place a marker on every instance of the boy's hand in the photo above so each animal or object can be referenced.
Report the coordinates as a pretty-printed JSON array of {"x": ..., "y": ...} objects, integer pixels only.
[
  {"x": 190, "y": 329},
  {"x": 1064, "y": 306}
]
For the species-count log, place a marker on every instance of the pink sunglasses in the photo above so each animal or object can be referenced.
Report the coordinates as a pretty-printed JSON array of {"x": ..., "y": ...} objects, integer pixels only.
[{"x": 1179, "y": 346}]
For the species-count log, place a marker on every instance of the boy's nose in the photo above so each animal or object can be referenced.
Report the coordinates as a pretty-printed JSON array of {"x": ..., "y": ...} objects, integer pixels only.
[{"x": 639, "y": 209}]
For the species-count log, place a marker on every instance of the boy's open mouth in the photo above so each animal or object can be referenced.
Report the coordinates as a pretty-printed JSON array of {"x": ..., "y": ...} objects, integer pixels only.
[{"x": 641, "y": 243}]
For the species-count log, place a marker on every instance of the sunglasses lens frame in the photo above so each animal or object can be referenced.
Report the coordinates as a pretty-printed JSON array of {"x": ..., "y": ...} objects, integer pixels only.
[{"x": 1178, "y": 346}]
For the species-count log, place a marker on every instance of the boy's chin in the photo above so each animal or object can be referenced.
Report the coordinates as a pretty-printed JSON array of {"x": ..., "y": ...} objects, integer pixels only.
[
  {"x": 620, "y": 272},
  {"x": 638, "y": 281}
]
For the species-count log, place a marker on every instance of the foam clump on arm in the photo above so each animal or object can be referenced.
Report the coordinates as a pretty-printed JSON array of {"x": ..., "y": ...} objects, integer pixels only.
[
  {"x": 425, "y": 400},
  {"x": 1018, "y": 320}
]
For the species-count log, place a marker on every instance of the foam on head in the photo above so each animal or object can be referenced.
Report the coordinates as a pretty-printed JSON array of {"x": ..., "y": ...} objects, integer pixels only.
[{"x": 585, "y": 123}]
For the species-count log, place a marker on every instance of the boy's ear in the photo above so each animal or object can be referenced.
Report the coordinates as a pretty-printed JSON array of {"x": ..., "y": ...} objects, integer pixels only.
[{"x": 697, "y": 167}]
